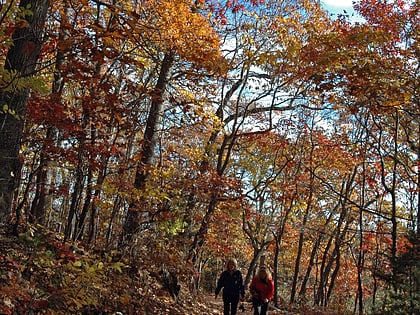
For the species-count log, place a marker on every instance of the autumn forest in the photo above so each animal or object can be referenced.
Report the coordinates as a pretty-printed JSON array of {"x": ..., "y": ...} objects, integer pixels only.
[{"x": 144, "y": 142}]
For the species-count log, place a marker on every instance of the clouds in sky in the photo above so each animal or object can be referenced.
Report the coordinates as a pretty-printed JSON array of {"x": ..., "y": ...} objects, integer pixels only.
[
  {"x": 338, "y": 3},
  {"x": 336, "y": 7}
]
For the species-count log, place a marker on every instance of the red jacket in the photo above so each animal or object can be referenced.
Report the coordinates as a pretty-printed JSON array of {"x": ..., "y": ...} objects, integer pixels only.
[{"x": 262, "y": 290}]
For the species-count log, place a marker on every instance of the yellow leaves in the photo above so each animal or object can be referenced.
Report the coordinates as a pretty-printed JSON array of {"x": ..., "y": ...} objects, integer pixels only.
[
  {"x": 13, "y": 81},
  {"x": 118, "y": 266},
  {"x": 191, "y": 35},
  {"x": 173, "y": 26},
  {"x": 154, "y": 26}
]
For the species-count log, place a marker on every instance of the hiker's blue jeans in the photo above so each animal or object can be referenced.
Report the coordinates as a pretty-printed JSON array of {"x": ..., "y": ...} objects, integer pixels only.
[{"x": 260, "y": 308}]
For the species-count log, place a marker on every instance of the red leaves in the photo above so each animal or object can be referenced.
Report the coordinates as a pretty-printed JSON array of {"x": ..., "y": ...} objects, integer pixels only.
[
  {"x": 40, "y": 111},
  {"x": 233, "y": 6},
  {"x": 41, "y": 304},
  {"x": 257, "y": 2},
  {"x": 65, "y": 253},
  {"x": 384, "y": 14}
]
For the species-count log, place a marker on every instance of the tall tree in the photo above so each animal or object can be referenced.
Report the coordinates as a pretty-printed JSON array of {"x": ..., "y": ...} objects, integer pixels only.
[
  {"x": 170, "y": 44},
  {"x": 21, "y": 64}
]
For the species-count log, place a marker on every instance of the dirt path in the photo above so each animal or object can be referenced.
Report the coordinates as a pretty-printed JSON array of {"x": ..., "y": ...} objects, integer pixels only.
[{"x": 216, "y": 306}]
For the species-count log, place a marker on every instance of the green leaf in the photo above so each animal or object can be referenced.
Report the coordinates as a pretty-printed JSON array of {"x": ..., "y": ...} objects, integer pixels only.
[{"x": 78, "y": 263}]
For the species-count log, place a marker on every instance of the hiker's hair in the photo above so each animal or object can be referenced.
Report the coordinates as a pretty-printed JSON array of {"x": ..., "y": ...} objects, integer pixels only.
[
  {"x": 267, "y": 271},
  {"x": 231, "y": 260}
]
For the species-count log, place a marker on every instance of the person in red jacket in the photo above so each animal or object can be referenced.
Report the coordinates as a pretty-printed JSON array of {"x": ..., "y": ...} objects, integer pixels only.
[{"x": 262, "y": 291}]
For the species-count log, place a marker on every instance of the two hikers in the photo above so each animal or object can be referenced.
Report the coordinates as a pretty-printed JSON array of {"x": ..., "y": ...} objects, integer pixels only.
[{"x": 261, "y": 289}]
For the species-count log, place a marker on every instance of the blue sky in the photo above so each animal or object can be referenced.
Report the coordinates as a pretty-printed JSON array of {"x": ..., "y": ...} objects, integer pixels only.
[{"x": 339, "y": 6}]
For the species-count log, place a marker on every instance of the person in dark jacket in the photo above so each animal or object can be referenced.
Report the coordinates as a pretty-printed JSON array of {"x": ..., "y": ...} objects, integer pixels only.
[
  {"x": 262, "y": 291},
  {"x": 233, "y": 287}
]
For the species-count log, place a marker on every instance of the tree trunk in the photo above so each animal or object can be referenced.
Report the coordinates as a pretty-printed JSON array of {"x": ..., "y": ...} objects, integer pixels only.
[
  {"x": 391, "y": 190},
  {"x": 315, "y": 248},
  {"x": 418, "y": 180},
  {"x": 222, "y": 162},
  {"x": 38, "y": 211},
  {"x": 22, "y": 57},
  {"x": 301, "y": 240},
  {"x": 77, "y": 191},
  {"x": 94, "y": 211},
  {"x": 80, "y": 222},
  {"x": 361, "y": 254},
  {"x": 278, "y": 238},
  {"x": 149, "y": 140},
  {"x": 200, "y": 236},
  {"x": 258, "y": 253},
  {"x": 326, "y": 283}
]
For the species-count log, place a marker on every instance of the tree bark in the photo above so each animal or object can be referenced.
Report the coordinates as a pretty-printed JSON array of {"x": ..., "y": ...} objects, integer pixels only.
[
  {"x": 21, "y": 58},
  {"x": 315, "y": 249},
  {"x": 299, "y": 252},
  {"x": 149, "y": 140},
  {"x": 39, "y": 203}
]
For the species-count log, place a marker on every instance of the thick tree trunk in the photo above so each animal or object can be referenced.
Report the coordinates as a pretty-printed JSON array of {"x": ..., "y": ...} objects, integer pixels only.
[
  {"x": 256, "y": 259},
  {"x": 22, "y": 57}
]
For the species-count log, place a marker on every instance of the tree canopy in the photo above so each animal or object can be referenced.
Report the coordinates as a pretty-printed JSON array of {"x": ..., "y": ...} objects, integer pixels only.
[{"x": 171, "y": 135}]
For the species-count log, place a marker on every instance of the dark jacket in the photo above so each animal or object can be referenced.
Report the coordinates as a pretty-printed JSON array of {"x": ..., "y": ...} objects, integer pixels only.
[{"x": 232, "y": 285}]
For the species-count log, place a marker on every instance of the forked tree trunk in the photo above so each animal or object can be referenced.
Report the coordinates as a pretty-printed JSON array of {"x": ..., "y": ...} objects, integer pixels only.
[
  {"x": 132, "y": 222},
  {"x": 314, "y": 252}
]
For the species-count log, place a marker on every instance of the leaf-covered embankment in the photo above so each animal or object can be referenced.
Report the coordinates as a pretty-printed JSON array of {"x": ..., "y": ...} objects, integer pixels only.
[{"x": 41, "y": 274}]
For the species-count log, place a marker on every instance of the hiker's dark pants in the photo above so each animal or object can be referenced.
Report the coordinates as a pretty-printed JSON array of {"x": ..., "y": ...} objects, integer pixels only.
[
  {"x": 230, "y": 304},
  {"x": 264, "y": 307}
]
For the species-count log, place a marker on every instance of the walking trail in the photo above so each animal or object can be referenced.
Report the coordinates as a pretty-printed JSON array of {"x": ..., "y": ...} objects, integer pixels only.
[{"x": 215, "y": 306}]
